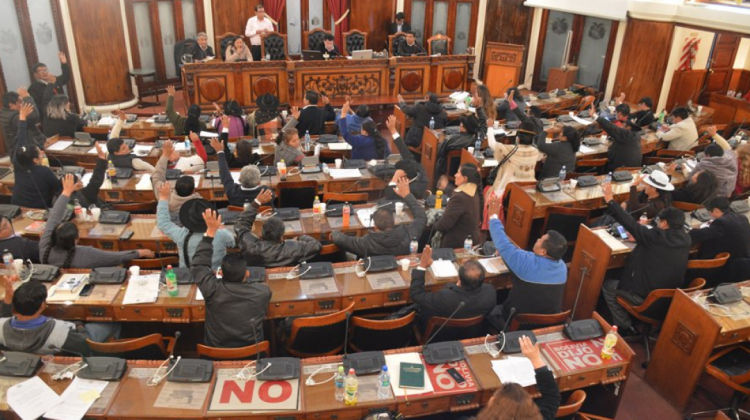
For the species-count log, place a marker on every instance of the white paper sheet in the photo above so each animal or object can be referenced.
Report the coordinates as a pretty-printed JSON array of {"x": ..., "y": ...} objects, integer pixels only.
[
  {"x": 443, "y": 269},
  {"x": 92, "y": 151},
  {"x": 236, "y": 176},
  {"x": 77, "y": 399},
  {"x": 345, "y": 173},
  {"x": 199, "y": 294},
  {"x": 493, "y": 265},
  {"x": 60, "y": 145},
  {"x": 517, "y": 370},
  {"x": 208, "y": 134},
  {"x": 180, "y": 146},
  {"x": 585, "y": 149},
  {"x": 393, "y": 361},
  {"x": 144, "y": 183},
  {"x": 106, "y": 122},
  {"x": 489, "y": 163},
  {"x": 581, "y": 120},
  {"x": 87, "y": 178},
  {"x": 364, "y": 216},
  {"x": 32, "y": 398},
  {"x": 142, "y": 289},
  {"x": 340, "y": 146},
  {"x": 459, "y": 96}
]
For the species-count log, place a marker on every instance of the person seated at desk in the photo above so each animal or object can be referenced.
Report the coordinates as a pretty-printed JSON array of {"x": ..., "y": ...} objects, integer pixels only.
[
  {"x": 512, "y": 402},
  {"x": 183, "y": 125},
  {"x": 654, "y": 198},
  {"x": 238, "y": 51},
  {"x": 467, "y": 134},
  {"x": 243, "y": 154},
  {"x": 184, "y": 187},
  {"x": 743, "y": 169},
  {"x": 386, "y": 238},
  {"x": 10, "y": 120},
  {"x": 400, "y": 25},
  {"x": 560, "y": 153},
  {"x": 120, "y": 155},
  {"x": 36, "y": 184},
  {"x": 369, "y": 143},
  {"x": 16, "y": 244},
  {"x": 681, "y": 135},
  {"x": 328, "y": 47},
  {"x": 721, "y": 161},
  {"x": 266, "y": 119},
  {"x": 538, "y": 277},
  {"x": 422, "y": 113},
  {"x": 235, "y": 307},
  {"x": 354, "y": 120},
  {"x": 59, "y": 242},
  {"x": 658, "y": 261},
  {"x": 484, "y": 105},
  {"x": 89, "y": 195},
  {"x": 644, "y": 116},
  {"x": 479, "y": 298},
  {"x": 23, "y": 327},
  {"x": 701, "y": 187},
  {"x": 409, "y": 46},
  {"x": 249, "y": 186},
  {"x": 60, "y": 121},
  {"x": 202, "y": 51},
  {"x": 312, "y": 118},
  {"x": 727, "y": 232},
  {"x": 406, "y": 167},
  {"x": 504, "y": 109},
  {"x": 271, "y": 250},
  {"x": 462, "y": 215},
  {"x": 288, "y": 148},
  {"x": 238, "y": 127},
  {"x": 625, "y": 150}
]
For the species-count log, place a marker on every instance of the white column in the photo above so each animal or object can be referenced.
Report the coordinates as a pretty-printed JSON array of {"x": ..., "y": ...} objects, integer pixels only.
[
  {"x": 399, "y": 6},
  {"x": 481, "y": 19},
  {"x": 209, "y": 16},
  {"x": 536, "y": 28},
  {"x": 616, "y": 61}
]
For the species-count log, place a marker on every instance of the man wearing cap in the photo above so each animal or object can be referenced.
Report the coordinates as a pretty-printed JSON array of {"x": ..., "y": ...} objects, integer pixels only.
[
  {"x": 683, "y": 134},
  {"x": 658, "y": 261},
  {"x": 653, "y": 199},
  {"x": 266, "y": 118}
]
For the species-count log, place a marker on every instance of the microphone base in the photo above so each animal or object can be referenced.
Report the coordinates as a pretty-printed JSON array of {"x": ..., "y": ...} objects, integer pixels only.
[
  {"x": 20, "y": 365},
  {"x": 364, "y": 363},
  {"x": 445, "y": 352},
  {"x": 191, "y": 370},
  {"x": 103, "y": 368}
]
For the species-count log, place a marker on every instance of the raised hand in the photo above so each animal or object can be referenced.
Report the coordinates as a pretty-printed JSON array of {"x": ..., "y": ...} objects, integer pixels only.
[
  {"x": 531, "y": 351},
  {"x": 345, "y": 110},
  {"x": 217, "y": 145},
  {"x": 23, "y": 92},
  {"x": 391, "y": 124},
  {"x": 216, "y": 107},
  {"x": 400, "y": 98},
  {"x": 26, "y": 110},
  {"x": 711, "y": 130},
  {"x": 146, "y": 253},
  {"x": 170, "y": 90},
  {"x": 425, "y": 260},
  {"x": 325, "y": 100},
  {"x": 295, "y": 112},
  {"x": 194, "y": 137},
  {"x": 224, "y": 121},
  {"x": 167, "y": 148},
  {"x": 620, "y": 99},
  {"x": 164, "y": 191},
  {"x": 69, "y": 185},
  {"x": 8, "y": 286},
  {"x": 100, "y": 152},
  {"x": 607, "y": 190},
  {"x": 62, "y": 57},
  {"x": 402, "y": 187},
  {"x": 213, "y": 222},
  {"x": 265, "y": 196}
]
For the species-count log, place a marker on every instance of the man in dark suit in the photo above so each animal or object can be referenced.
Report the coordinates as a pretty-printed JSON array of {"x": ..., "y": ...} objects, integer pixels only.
[
  {"x": 479, "y": 298},
  {"x": 313, "y": 118},
  {"x": 42, "y": 78},
  {"x": 328, "y": 47},
  {"x": 400, "y": 25},
  {"x": 728, "y": 232},
  {"x": 201, "y": 50},
  {"x": 410, "y": 46}
]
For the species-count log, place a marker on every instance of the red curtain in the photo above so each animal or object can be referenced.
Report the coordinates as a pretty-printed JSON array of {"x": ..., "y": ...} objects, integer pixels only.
[
  {"x": 274, "y": 9},
  {"x": 338, "y": 8}
]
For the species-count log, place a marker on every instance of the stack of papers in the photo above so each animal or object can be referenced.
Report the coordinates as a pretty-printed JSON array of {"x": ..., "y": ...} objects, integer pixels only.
[
  {"x": 144, "y": 183},
  {"x": 365, "y": 215},
  {"x": 339, "y": 146},
  {"x": 459, "y": 96},
  {"x": 78, "y": 397},
  {"x": 142, "y": 149},
  {"x": 518, "y": 370},
  {"x": 68, "y": 288},
  {"x": 60, "y": 145},
  {"x": 493, "y": 265},
  {"x": 585, "y": 149},
  {"x": 106, "y": 122},
  {"x": 142, "y": 289},
  {"x": 442, "y": 269},
  {"x": 33, "y": 398},
  {"x": 345, "y": 173},
  {"x": 581, "y": 120}
]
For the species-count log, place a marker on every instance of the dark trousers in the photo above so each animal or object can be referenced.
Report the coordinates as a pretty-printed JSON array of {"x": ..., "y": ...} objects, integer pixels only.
[
  {"x": 620, "y": 316},
  {"x": 255, "y": 51}
]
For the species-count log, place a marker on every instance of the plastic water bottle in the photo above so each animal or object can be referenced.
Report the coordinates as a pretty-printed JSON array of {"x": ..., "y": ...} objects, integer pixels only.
[
  {"x": 439, "y": 200},
  {"x": 608, "y": 178},
  {"x": 78, "y": 210},
  {"x": 351, "y": 384},
  {"x": 432, "y": 123},
  {"x": 307, "y": 141},
  {"x": 384, "y": 384},
  {"x": 316, "y": 207},
  {"x": 346, "y": 214},
  {"x": 94, "y": 116},
  {"x": 563, "y": 173},
  {"x": 281, "y": 167},
  {"x": 643, "y": 219},
  {"x": 610, "y": 341},
  {"x": 468, "y": 244},
  {"x": 111, "y": 172},
  {"x": 268, "y": 57},
  {"x": 188, "y": 146},
  {"x": 247, "y": 205},
  {"x": 171, "y": 279},
  {"x": 338, "y": 383},
  {"x": 478, "y": 144},
  {"x": 7, "y": 259},
  {"x": 413, "y": 245}
]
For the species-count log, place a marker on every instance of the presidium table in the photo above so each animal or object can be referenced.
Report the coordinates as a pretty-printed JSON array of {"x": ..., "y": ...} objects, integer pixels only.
[{"x": 373, "y": 82}]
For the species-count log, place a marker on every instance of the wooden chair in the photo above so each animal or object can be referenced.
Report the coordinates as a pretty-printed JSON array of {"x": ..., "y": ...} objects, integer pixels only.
[
  {"x": 455, "y": 329},
  {"x": 567, "y": 221},
  {"x": 237, "y": 353},
  {"x": 731, "y": 367},
  {"x": 394, "y": 41},
  {"x": 591, "y": 166},
  {"x": 235, "y": 208},
  {"x": 313, "y": 40},
  {"x": 573, "y": 405},
  {"x": 453, "y": 156},
  {"x": 654, "y": 309},
  {"x": 371, "y": 334},
  {"x": 354, "y": 40},
  {"x": 223, "y": 48},
  {"x": 651, "y": 160},
  {"x": 710, "y": 269},
  {"x": 584, "y": 104},
  {"x": 319, "y": 335},
  {"x": 674, "y": 153},
  {"x": 439, "y": 44},
  {"x": 150, "y": 347},
  {"x": 151, "y": 263},
  {"x": 351, "y": 198},
  {"x": 296, "y": 193},
  {"x": 274, "y": 44},
  {"x": 682, "y": 205},
  {"x": 534, "y": 321},
  {"x": 138, "y": 208}
]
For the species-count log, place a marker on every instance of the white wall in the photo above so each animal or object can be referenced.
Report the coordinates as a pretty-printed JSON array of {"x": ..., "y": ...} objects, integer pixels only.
[
  {"x": 742, "y": 60},
  {"x": 701, "y": 59},
  {"x": 536, "y": 25}
]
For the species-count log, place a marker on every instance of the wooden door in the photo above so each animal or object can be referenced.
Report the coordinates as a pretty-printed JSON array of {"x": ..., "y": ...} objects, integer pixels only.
[
  {"x": 456, "y": 19},
  {"x": 720, "y": 65}
]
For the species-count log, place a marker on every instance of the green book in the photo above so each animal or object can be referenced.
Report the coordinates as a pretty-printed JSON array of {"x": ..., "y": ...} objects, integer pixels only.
[{"x": 411, "y": 375}]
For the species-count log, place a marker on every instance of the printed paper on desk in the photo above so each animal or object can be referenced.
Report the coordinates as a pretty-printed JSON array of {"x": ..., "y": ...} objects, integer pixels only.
[
  {"x": 345, "y": 173},
  {"x": 585, "y": 149},
  {"x": 142, "y": 149},
  {"x": 231, "y": 394},
  {"x": 494, "y": 265},
  {"x": 517, "y": 370},
  {"x": 32, "y": 398},
  {"x": 613, "y": 243},
  {"x": 340, "y": 146},
  {"x": 78, "y": 397},
  {"x": 144, "y": 183},
  {"x": 60, "y": 145},
  {"x": 142, "y": 289},
  {"x": 443, "y": 269},
  {"x": 581, "y": 120},
  {"x": 87, "y": 178},
  {"x": 106, "y": 122},
  {"x": 393, "y": 361},
  {"x": 183, "y": 396},
  {"x": 444, "y": 383},
  {"x": 179, "y": 146},
  {"x": 208, "y": 134},
  {"x": 92, "y": 151},
  {"x": 489, "y": 163}
]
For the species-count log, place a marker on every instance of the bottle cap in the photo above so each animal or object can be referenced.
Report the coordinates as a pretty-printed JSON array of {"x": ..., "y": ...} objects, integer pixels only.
[
  {"x": 169, "y": 267},
  {"x": 351, "y": 371},
  {"x": 614, "y": 328},
  {"x": 341, "y": 369},
  {"x": 385, "y": 368}
]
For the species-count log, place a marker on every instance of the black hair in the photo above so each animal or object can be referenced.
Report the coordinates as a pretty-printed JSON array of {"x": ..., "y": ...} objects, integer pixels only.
[
  {"x": 37, "y": 66},
  {"x": 233, "y": 268},
  {"x": 704, "y": 186},
  {"x": 472, "y": 275},
  {"x": 646, "y": 100},
  {"x": 535, "y": 111},
  {"x": 64, "y": 237},
  {"x": 556, "y": 245},
  {"x": 184, "y": 186},
  {"x": 412, "y": 33},
  {"x": 470, "y": 124},
  {"x": 674, "y": 217},
  {"x": 312, "y": 97},
  {"x": 471, "y": 172},
  {"x": 363, "y": 111},
  {"x": 10, "y": 98},
  {"x": 680, "y": 112},
  {"x": 432, "y": 97},
  {"x": 516, "y": 94},
  {"x": 573, "y": 136},
  {"x": 29, "y": 297},
  {"x": 714, "y": 150},
  {"x": 400, "y": 16},
  {"x": 720, "y": 203},
  {"x": 409, "y": 166},
  {"x": 380, "y": 143},
  {"x": 328, "y": 37},
  {"x": 25, "y": 156},
  {"x": 383, "y": 219},
  {"x": 244, "y": 149},
  {"x": 193, "y": 124},
  {"x": 259, "y": 6},
  {"x": 273, "y": 230},
  {"x": 623, "y": 109},
  {"x": 113, "y": 145}
]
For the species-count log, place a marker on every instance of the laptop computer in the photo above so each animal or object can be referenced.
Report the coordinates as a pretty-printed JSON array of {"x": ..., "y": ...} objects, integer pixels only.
[
  {"x": 311, "y": 55},
  {"x": 362, "y": 55}
]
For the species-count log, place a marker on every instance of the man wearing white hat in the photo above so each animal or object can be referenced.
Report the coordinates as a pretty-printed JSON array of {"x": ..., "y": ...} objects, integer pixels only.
[{"x": 654, "y": 198}]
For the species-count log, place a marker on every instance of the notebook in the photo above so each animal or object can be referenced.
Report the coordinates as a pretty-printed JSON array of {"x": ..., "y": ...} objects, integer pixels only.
[{"x": 411, "y": 375}]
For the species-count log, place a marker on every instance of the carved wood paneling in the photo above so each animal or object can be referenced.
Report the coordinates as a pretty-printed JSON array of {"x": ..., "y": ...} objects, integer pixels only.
[
  {"x": 373, "y": 20},
  {"x": 344, "y": 83},
  {"x": 411, "y": 80},
  {"x": 232, "y": 15}
]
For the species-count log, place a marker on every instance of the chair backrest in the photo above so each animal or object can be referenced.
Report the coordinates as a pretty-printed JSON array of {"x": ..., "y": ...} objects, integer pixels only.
[
  {"x": 394, "y": 41},
  {"x": 455, "y": 329},
  {"x": 319, "y": 335},
  {"x": 586, "y": 103},
  {"x": 148, "y": 263},
  {"x": 573, "y": 405},
  {"x": 313, "y": 40},
  {"x": 595, "y": 166},
  {"x": 299, "y": 194},
  {"x": 139, "y": 208},
  {"x": 182, "y": 47},
  {"x": 238, "y": 353},
  {"x": 274, "y": 44},
  {"x": 354, "y": 40},
  {"x": 370, "y": 334},
  {"x": 439, "y": 44},
  {"x": 150, "y": 347},
  {"x": 657, "y": 303},
  {"x": 682, "y": 205},
  {"x": 566, "y": 220},
  {"x": 710, "y": 269},
  {"x": 351, "y": 198},
  {"x": 223, "y": 41},
  {"x": 716, "y": 262},
  {"x": 534, "y": 321}
]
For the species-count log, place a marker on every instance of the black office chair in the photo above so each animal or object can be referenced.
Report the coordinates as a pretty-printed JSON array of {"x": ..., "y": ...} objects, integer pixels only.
[
  {"x": 300, "y": 194},
  {"x": 354, "y": 40},
  {"x": 731, "y": 367},
  {"x": 180, "y": 48},
  {"x": 318, "y": 335},
  {"x": 314, "y": 39},
  {"x": 274, "y": 44}
]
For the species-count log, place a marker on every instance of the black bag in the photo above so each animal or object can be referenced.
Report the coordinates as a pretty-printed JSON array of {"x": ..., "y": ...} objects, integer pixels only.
[
  {"x": 42, "y": 272},
  {"x": 383, "y": 171},
  {"x": 124, "y": 173},
  {"x": 726, "y": 293},
  {"x": 583, "y": 329},
  {"x": 337, "y": 210},
  {"x": 173, "y": 174}
]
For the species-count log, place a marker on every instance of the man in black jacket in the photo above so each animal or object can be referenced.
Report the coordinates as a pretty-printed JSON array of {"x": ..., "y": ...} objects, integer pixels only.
[
  {"x": 17, "y": 245},
  {"x": 42, "y": 78},
  {"x": 313, "y": 118},
  {"x": 728, "y": 232},
  {"x": 406, "y": 167},
  {"x": 387, "y": 238},
  {"x": 235, "y": 305},
  {"x": 644, "y": 116},
  {"x": 328, "y": 47},
  {"x": 271, "y": 250},
  {"x": 658, "y": 261},
  {"x": 422, "y": 113},
  {"x": 9, "y": 117},
  {"x": 479, "y": 298},
  {"x": 409, "y": 46},
  {"x": 400, "y": 25},
  {"x": 625, "y": 150}
]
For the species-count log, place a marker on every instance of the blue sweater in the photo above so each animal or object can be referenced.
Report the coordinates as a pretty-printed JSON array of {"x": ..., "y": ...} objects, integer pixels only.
[
  {"x": 354, "y": 122},
  {"x": 363, "y": 147}
]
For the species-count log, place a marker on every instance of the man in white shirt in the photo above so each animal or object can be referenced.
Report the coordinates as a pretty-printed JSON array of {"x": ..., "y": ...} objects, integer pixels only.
[
  {"x": 683, "y": 134},
  {"x": 257, "y": 26}
]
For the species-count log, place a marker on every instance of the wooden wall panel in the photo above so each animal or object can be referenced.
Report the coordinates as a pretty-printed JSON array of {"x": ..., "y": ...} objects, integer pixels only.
[
  {"x": 508, "y": 21},
  {"x": 232, "y": 15},
  {"x": 102, "y": 56},
  {"x": 375, "y": 21},
  {"x": 640, "y": 63}
]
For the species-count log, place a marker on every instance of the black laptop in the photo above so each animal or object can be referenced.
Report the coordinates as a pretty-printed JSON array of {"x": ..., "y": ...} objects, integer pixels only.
[{"x": 311, "y": 55}]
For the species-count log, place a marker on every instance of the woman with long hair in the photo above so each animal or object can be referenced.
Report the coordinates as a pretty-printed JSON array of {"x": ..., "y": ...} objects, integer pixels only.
[
  {"x": 743, "y": 169},
  {"x": 702, "y": 187},
  {"x": 369, "y": 144},
  {"x": 561, "y": 153},
  {"x": 483, "y": 94},
  {"x": 60, "y": 121},
  {"x": 462, "y": 215},
  {"x": 183, "y": 125}
]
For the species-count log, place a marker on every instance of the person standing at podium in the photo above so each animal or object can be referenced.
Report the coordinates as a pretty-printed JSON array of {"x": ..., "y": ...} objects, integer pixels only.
[{"x": 256, "y": 27}]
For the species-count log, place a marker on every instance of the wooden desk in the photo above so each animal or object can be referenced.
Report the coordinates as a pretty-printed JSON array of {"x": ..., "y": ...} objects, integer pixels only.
[
  {"x": 140, "y": 129},
  {"x": 729, "y": 110}
]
